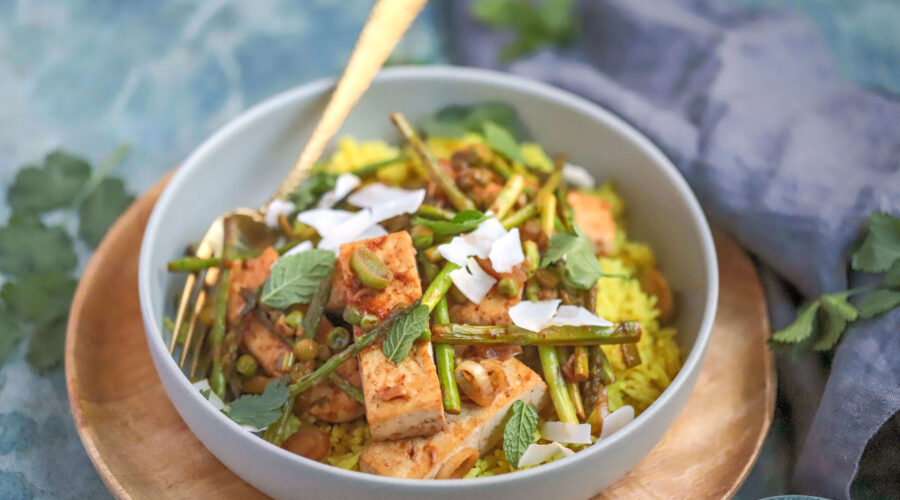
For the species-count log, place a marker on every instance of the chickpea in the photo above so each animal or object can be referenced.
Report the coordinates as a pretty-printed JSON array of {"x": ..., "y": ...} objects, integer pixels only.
[
  {"x": 306, "y": 349},
  {"x": 308, "y": 442}
]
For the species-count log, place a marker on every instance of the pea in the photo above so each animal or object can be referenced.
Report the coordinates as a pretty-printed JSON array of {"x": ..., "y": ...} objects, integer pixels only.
[
  {"x": 509, "y": 287},
  {"x": 370, "y": 269},
  {"x": 369, "y": 322},
  {"x": 247, "y": 365},
  {"x": 323, "y": 352},
  {"x": 338, "y": 338},
  {"x": 306, "y": 349},
  {"x": 353, "y": 315},
  {"x": 294, "y": 319},
  {"x": 422, "y": 237},
  {"x": 256, "y": 385}
]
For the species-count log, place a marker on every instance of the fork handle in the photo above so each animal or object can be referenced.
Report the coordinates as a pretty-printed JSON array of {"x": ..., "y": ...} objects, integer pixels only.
[{"x": 387, "y": 23}]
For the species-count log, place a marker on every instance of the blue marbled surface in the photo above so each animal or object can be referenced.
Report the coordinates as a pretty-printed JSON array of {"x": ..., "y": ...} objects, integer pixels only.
[{"x": 162, "y": 75}]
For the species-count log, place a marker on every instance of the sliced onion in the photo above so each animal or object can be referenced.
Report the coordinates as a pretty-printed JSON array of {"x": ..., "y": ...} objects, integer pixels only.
[
  {"x": 578, "y": 176},
  {"x": 213, "y": 398},
  {"x": 614, "y": 422},
  {"x": 323, "y": 219},
  {"x": 475, "y": 382},
  {"x": 506, "y": 252},
  {"x": 539, "y": 453},
  {"x": 566, "y": 433},
  {"x": 577, "y": 316},
  {"x": 343, "y": 186},
  {"x": 386, "y": 202},
  {"x": 275, "y": 208},
  {"x": 472, "y": 281},
  {"x": 534, "y": 316}
]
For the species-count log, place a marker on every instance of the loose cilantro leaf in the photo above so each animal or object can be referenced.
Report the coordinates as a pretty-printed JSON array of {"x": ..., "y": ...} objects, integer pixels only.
[
  {"x": 457, "y": 120},
  {"x": 47, "y": 346},
  {"x": 39, "y": 297},
  {"x": 518, "y": 434},
  {"x": 260, "y": 411},
  {"x": 502, "y": 142},
  {"x": 53, "y": 185},
  {"x": 462, "y": 222},
  {"x": 309, "y": 191},
  {"x": 801, "y": 328},
  {"x": 399, "y": 339},
  {"x": 582, "y": 267},
  {"x": 882, "y": 245},
  {"x": 837, "y": 313},
  {"x": 11, "y": 332},
  {"x": 878, "y": 302},
  {"x": 101, "y": 208},
  {"x": 29, "y": 247},
  {"x": 294, "y": 278},
  {"x": 550, "y": 22}
]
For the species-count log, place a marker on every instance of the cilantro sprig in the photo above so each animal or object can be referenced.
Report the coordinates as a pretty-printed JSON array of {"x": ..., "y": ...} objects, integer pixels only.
[
  {"x": 260, "y": 410},
  {"x": 38, "y": 260},
  {"x": 519, "y": 432},
  {"x": 828, "y": 316}
]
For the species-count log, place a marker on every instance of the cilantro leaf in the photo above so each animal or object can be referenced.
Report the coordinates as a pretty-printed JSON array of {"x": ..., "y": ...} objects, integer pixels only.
[
  {"x": 882, "y": 244},
  {"x": 294, "y": 278},
  {"x": 53, "y": 185},
  {"x": 892, "y": 279},
  {"x": 552, "y": 22},
  {"x": 47, "y": 346},
  {"x": 878, "y": 302},
  {"x": 309, "y": 191},
  {"x": 462, "y": 222},
  {"x": 518, "y": 434},
  {"x": 400, "y": 337},
  {"x": 101, "y": 208},
  {"x": 582, "y": 267},
  {"x": 10, "y": 334},
  {"x": 262, "y": 410},
  {"x": 39, "y": 297},
  {"x": 837, "y": 313},
  {"x": 29, "y": 247},
  {"x": 502, "y": 142},
  {"x": 801, "y": 328},
  {"x": 456, "y": 120}
]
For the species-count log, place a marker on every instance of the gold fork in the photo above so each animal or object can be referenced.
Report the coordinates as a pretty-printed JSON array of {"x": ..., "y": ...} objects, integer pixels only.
[{"x": 388, "y": 21}]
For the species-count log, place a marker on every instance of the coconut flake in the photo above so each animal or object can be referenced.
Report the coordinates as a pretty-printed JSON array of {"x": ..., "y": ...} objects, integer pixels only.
[
  {"x": 275, "y": 208},
  {"x": 213, "y": 398},
  {"x": 343, "y": 185},
  {"x": 577, "y": 316},
  {"x": 298, "y": 248},
  {"x": 323, "y": 219},
  {"x": 386, "y": 202},
  {"x": 534, "y": 316},
  {"x": 566, "y": 433},
  {"x": 477, "y": 243},
  {"x": 472, "y": 281},
  {"x": 539, "y": 453},
  {"x": 347, "y": 231},
  {"x": 372, "y": 232},
  {"x": 506, "y": 252},
  {"x": 578, "y": 176},
  {"x": 614, "y": 422}
]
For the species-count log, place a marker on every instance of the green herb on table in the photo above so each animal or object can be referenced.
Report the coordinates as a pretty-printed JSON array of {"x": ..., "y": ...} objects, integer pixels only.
[
  {"x": 294, "y": 278},
  {"x": 519, "y": 432},
  {"x": 399, "y": 339},
  {"x": 830, "y": 314},
  {"x": 551, "y": 22},
  {"x": 260, "y": 410}
]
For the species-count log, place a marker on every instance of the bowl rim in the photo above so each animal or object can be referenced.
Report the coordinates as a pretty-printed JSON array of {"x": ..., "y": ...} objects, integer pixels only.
[{"x": 458, "y": 74}]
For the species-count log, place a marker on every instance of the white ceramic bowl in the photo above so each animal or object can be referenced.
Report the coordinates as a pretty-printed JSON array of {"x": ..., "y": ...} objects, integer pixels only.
[{"x": 241, "y": 164}]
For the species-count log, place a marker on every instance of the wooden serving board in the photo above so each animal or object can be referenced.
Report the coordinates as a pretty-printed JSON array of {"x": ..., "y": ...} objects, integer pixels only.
[{"x": 142, "y": 449}]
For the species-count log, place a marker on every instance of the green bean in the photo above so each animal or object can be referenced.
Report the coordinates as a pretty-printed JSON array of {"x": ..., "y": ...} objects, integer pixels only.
[
  {"x": 623, "y": 333},
  {"x": 316, "y": 309},
  {"x": 348, "y": 388},
  {"x": 353, "y": 315},
  {"x": 565, "y": 410},
  {"x": 370, "y": 269},
  {"x": 532, "y": 257},
  {"x": 434, "y": 212},
  {"x": 437, "y": 172},
  {"x": 338, "y": 338},
  {"x": 192, "y": 264},
  {"x": 507, "y": 197},
  {"x": 444, "y": 355}
]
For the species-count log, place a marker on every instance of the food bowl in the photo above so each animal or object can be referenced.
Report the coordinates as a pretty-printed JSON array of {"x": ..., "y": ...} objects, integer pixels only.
[{"x": 241, "y": 164}]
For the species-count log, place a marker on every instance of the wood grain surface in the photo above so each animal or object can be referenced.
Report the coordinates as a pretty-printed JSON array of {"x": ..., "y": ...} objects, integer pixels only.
[{"x": 142, "y": 449}]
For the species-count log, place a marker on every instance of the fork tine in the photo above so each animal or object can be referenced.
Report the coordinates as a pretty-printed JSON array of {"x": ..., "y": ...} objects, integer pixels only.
[
  {"x": 182, "y": 308},
  {"x": 198, "y": 306}
]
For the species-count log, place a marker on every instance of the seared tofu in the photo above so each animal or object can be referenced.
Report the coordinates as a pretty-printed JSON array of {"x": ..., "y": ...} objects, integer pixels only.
[
  {"x": 473, "y": 432},
  {"x": 402, "y": 399},
  {"x": 594, "y": 216},
  {"x": 264, "y": 345},
  {"x": 493, "y": 309}
]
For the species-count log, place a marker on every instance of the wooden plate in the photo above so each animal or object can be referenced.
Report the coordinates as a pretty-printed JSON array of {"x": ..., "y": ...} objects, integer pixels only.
[{"x": 142, "y": 448}]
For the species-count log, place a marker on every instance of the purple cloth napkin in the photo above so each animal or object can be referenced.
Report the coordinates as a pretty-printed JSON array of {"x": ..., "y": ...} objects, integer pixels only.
[{"x": 783, "y": 152}]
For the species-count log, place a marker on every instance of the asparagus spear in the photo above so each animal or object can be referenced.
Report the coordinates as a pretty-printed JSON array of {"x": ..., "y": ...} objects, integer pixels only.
[
  {"x": 547, "y": 203},
  {"x": 580, "y": 364},
  {"x": 506, "y": 198},
  {"x": 623, "y": 333},
  {"x": 519, "y": 216},
  {"x": 192, "y": 264},
  {"x": 316, "y": 308},
  {"x": 371, "y": 168},
  {"x": 217, "y": 380},
  {"x": 444, "y": 355},
  {"x": 443, "y": 179},
  {"x": 575, "y": 396},
  {"x": 433, "y": 212},
  {"x": 630, "y": 354},
  {"x": 565, "y": 410},
  {"x": 348, "y": 388}
]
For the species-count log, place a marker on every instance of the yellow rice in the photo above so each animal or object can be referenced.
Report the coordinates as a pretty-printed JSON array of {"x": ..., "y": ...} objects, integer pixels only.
[{"x": 618, "y": 299}]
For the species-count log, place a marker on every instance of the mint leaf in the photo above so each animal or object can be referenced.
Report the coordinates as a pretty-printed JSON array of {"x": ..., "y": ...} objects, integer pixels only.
[
  {"x": 260, "y": 411},
  {"x": 101, "y": 208},
  {"x": 882, "y": 244},
  {"x": 518, "y": 434},
  {"x": 582, "y": 267},
  {"x": 463, "y": 222},
  {"x": 457, "y": 120},
  {"x": 309, "y": 191},
  {"x": 502, "y": 142},
  {"x": 892, "y": 279},
  {"x": 801, "y": 328},
  {"x": 10, "y": 334},
  {"x": 47, "y": 346},
  {"x": 400, "y": 337},
  {"x": 28, "y": 247},
  {"x": 294, "y": 278},
  {"x": 39, "y": 297},
  {"x": 837, "y": 313},
  {"x": 878, "y": 302},
  {"x": 53, "y": 185}
]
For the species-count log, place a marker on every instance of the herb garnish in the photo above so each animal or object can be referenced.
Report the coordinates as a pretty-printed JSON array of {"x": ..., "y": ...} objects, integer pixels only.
[
  {"x": 582, "y": 266},
  {"x": 260, "y": 410},
  {"x": 462, "y": 222},
  {"x": 518, "y": 434},
  {"x": 309, "y": 191},
  {"x": 399, "y": 339},
  {"x": 294, "y": 278},
  {"x": 457, "y": 120},
  {"x": 550, "y": 22},
  {"x": 502, "y": 142}
]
